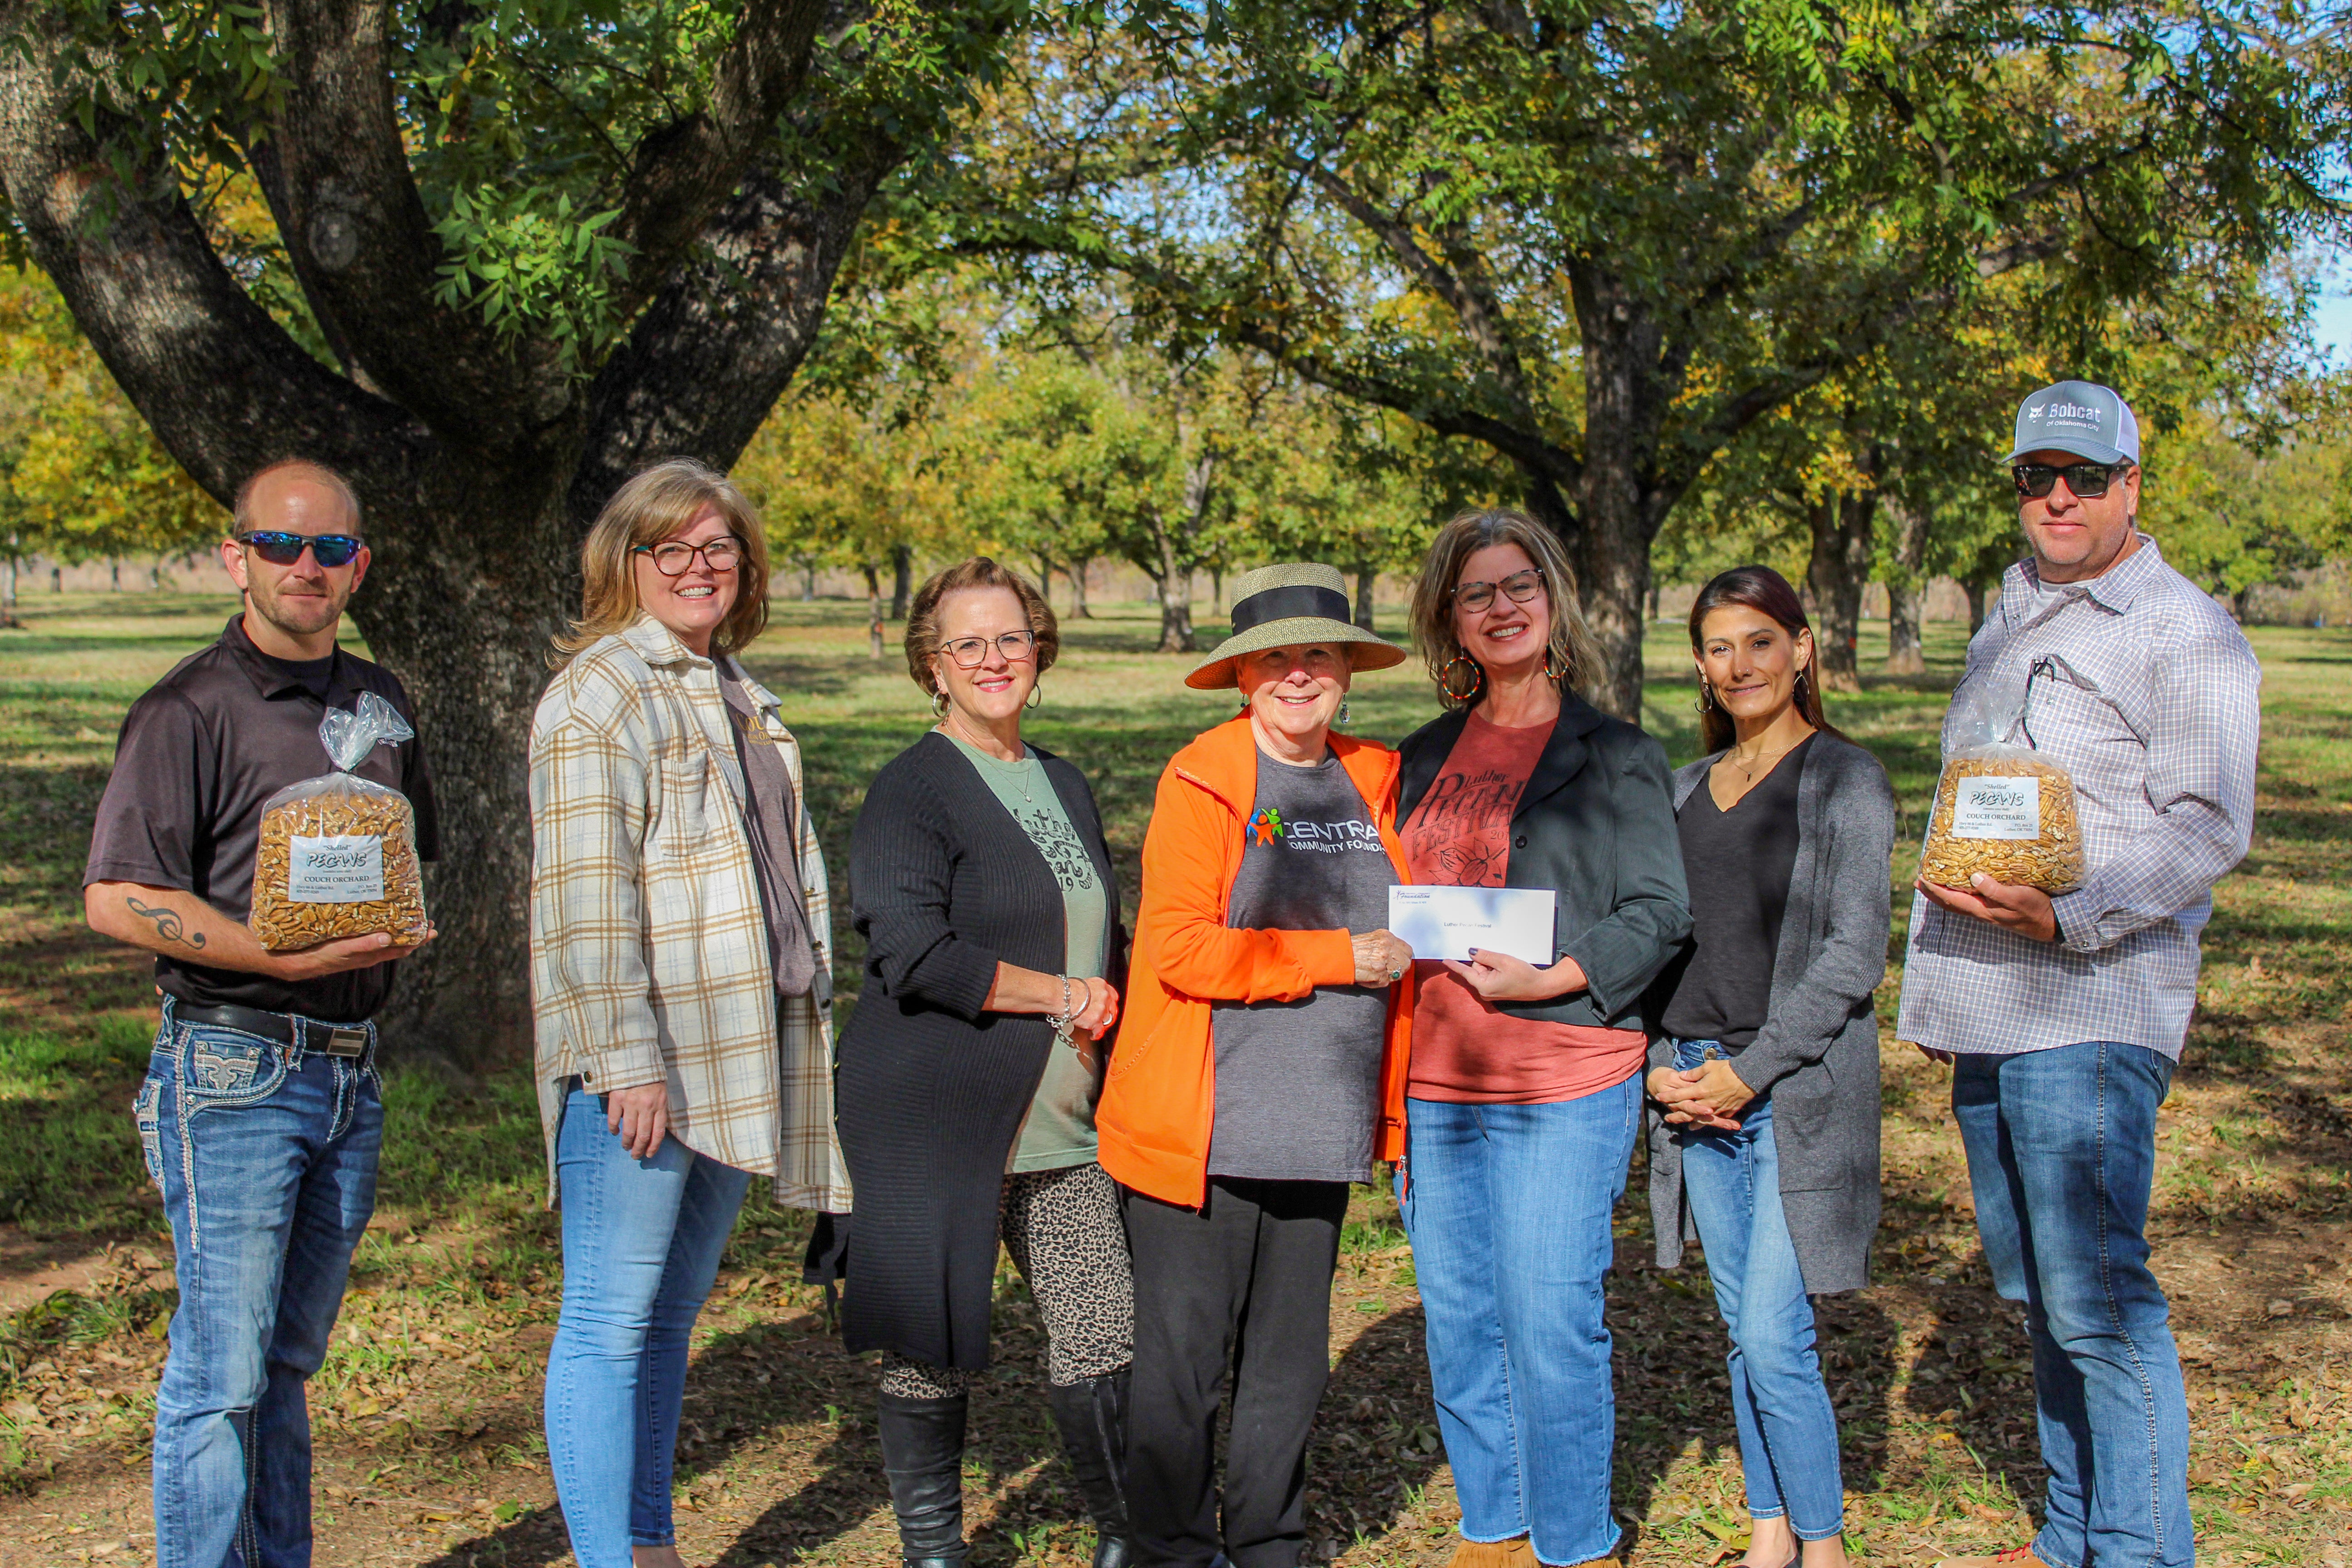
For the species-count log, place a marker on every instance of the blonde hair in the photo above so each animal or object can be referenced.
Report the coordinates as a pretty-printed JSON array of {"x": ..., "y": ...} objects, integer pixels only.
[
  {"x": 973, "y": 572},
  {"x": 656, "y": 503},
  {"x": 1574, "y": 656}
]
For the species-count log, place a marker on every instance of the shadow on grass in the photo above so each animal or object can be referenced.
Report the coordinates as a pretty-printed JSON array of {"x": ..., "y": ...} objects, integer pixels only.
[{"x": 69, "y": 1157}]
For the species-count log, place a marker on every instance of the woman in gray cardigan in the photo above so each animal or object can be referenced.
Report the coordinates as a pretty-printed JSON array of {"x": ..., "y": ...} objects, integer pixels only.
[{"x": 1764, "y": 1072}]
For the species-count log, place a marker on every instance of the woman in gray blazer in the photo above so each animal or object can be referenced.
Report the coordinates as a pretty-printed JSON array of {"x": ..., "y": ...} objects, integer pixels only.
[{"x": 1764, "y": 1065}]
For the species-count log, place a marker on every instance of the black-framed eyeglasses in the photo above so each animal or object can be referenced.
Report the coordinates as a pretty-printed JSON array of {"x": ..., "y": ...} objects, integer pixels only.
[
  {"x": 1519, "y": 588},
  {"x": 970, "y": 652},
  {"x": 673, "y": 559},
  {"x": 280, "y": 548},
  {"x": 2088, "y": 481}
]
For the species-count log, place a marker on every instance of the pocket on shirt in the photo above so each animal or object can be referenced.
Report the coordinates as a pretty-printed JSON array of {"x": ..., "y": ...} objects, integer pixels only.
[{"x": 682, "y": 825}]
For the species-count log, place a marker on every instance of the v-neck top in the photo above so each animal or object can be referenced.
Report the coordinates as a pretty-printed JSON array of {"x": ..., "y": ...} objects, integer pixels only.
[{"x": 1737, "y": 864}]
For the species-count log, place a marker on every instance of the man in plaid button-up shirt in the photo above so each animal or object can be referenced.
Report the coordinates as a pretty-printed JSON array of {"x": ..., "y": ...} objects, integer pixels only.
[{"x": 2065, "y": 1017}]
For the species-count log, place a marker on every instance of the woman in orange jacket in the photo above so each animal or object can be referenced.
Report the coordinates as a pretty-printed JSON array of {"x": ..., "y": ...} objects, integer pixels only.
[{"x": 1260, "y": 1070}]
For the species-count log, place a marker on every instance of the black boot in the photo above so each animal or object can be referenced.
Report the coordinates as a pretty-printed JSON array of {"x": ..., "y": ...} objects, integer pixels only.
[
  {"x": 1092, "y": 1416},
  {"x": 922, "y": 1454}
]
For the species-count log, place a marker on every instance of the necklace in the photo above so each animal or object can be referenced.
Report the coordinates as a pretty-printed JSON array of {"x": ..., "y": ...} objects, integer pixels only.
[
  {"x": 1019, "y": 771},
  {"x": 1748, "y": 769}
]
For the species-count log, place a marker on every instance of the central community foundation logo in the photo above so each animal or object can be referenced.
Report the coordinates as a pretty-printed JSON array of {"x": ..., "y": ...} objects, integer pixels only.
[{"x": 1264, "y": 826}]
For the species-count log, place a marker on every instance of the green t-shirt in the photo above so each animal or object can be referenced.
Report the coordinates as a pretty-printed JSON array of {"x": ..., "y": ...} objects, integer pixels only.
[{"x": 1059, "y": 1129}]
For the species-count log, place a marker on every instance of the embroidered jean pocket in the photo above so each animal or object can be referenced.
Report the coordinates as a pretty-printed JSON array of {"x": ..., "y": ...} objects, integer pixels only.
[
  {"x": 147, "y": 1110},
  {"x": 227, "y": 1067}
]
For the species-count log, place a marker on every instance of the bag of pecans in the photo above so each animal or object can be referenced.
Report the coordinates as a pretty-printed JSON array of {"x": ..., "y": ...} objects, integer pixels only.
[
  {"x": 2002, "y": 807},
  {"x": 337, "y": 854}
]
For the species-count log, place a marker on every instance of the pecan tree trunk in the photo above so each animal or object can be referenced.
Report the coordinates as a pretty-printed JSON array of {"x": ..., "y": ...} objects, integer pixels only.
[{"x": 479, "y": 460}]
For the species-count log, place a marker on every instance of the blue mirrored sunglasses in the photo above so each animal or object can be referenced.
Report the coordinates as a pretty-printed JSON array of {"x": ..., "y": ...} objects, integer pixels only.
[{"x": 282, "y": 549}]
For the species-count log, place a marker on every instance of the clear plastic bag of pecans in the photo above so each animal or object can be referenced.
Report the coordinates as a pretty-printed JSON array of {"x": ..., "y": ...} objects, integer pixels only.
[
  {"x": 337, "y": 853},
  {"x": 2002, "y": 807}
]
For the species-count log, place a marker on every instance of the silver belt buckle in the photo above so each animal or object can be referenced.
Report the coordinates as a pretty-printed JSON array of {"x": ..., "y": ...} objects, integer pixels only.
[{"x": 345, "y": 1043}]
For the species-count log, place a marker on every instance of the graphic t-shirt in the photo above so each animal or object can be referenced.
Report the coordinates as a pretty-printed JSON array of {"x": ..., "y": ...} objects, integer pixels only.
[
  {"x": 1464, "y": 1049},
  {"x": 1298, "y": 1083},
  {"x": 1059, "y": 1129}
]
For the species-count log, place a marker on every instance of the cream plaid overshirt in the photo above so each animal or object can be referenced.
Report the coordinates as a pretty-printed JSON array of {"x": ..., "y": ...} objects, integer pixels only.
[{"x": 649, "y": 957}]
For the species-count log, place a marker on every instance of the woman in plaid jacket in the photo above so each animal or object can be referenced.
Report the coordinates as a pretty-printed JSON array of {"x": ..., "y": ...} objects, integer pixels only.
[{"x": 680, "y": 979}]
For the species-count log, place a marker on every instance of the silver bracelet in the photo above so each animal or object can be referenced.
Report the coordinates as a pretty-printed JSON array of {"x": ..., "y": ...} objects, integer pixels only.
[{"x": 1061, "y": 1020}]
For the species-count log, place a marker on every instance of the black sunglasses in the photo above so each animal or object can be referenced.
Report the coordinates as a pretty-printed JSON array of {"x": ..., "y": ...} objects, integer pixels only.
[
  {"x": 2088, "y": 481},
  {"x": 282, "y": 549}
]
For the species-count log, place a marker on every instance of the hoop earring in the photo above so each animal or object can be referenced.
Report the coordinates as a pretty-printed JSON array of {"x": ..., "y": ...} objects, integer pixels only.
[
  {"x": 1550, "y": 674},
  {"x": 939, "y": 706},
  {"x": 1036, "y": 696},
  {"x": 1705, "y": 696},
  {"x": 1446, "y": 677}
]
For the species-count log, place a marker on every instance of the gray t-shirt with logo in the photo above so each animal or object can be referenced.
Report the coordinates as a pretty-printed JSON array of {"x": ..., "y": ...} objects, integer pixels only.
[{"x": 1298, "y": 1083}]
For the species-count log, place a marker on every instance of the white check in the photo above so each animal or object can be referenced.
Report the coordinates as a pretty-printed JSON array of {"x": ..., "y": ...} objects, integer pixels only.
[{"x": 1447, "y": 922}]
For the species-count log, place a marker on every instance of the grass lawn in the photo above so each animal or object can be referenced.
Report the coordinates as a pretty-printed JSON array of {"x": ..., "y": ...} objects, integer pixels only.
[{"x": 427, "y": 1410}]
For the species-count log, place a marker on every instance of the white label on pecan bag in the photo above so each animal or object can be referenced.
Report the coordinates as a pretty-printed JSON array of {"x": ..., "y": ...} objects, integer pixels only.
[
  {"x": 347, "y": 869},
  {"x": 1990, "y": 806}
]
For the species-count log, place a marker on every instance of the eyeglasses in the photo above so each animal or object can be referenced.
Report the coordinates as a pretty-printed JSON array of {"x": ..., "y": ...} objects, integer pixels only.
[
  {"x": 282, "y": 549},
  {"x": 2088, "y": 481},
  {"x": 967, "y": 652},
  {"x": 674, "y": 560},
  {"x": 1519, "y": 588}
]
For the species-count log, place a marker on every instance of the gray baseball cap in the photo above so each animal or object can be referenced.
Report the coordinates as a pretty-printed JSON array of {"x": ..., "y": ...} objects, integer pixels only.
[{"x": 2082, "y": 417}]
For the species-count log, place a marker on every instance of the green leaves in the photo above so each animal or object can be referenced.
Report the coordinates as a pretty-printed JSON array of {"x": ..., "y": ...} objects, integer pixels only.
[{"x": 533, "y": 266}]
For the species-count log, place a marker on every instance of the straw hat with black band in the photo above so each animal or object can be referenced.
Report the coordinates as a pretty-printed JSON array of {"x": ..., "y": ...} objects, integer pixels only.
[{"x": 1284, "y": 606}]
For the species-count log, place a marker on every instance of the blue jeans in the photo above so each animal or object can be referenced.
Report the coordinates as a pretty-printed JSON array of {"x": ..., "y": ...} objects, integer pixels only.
[
  {"x": 265, "y": 1154},
  {"x": 641, "y": 1246},
  {"x": 1788, "y": 1430},
  {"x": 1508, "y": 1207},
  {"x": 2061, "y": 1153}
]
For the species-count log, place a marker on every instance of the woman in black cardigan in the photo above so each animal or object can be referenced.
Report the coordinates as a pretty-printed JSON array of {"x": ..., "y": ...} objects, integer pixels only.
[{"x": 970, "y": 1070}]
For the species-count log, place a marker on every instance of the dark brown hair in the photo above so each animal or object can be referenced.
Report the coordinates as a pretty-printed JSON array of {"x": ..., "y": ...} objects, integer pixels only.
[
  {"x": 977, "y": 572},
  {"x": 1765, "y": 591}
]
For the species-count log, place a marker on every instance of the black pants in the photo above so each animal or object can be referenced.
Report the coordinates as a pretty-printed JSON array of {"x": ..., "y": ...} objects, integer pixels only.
[{"x": 1241, "y": 1285}]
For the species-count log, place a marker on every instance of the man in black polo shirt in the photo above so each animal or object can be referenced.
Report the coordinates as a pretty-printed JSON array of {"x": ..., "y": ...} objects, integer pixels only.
[{"x": 260, "y": 1117}]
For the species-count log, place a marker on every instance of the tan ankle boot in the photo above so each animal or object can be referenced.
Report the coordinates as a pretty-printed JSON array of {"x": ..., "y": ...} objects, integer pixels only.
[{"x": 1511, "y": 1554}]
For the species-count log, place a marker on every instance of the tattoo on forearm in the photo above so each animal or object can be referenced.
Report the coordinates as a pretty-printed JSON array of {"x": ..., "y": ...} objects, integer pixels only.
[{"x": 168, "y": 925}]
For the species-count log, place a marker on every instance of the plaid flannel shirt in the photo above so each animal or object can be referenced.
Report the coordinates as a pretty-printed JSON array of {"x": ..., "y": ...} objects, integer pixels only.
[
  {"x": 649, "y": 955},
  {"x": 2149, "y": 695}
]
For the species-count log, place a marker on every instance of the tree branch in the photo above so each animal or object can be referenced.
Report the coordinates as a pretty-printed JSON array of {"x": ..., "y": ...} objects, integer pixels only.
[
  {"x": 335, "y": 169},
  {"x": 710, "y": 356},
  {"x": 225, "y": 388},
  {"x": 1474, "y": 307},
  {"x": 682, "y": 171}
]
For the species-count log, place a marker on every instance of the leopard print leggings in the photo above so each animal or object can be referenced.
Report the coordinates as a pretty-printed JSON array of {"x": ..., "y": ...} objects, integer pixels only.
[{"x": 1065, "y": 1234}]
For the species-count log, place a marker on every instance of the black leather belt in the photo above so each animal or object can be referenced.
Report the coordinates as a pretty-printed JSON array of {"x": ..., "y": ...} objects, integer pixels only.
[{"x": 327, "y": 1039}]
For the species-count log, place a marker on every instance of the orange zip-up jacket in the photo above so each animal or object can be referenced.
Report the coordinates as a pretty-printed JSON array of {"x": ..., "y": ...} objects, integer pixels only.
[{"x": 1160, "y": 1098}]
